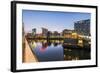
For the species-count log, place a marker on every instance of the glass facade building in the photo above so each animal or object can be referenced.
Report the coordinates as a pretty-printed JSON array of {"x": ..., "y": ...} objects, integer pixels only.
[{"x": 82, "y": 27}]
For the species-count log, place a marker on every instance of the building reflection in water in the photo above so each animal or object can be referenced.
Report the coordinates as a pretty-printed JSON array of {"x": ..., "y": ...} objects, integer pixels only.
[{"x": 50, "y": 49}]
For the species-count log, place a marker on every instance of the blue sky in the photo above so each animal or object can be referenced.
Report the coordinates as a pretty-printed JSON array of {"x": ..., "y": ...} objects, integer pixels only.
[{"x": 53, "y": 21}]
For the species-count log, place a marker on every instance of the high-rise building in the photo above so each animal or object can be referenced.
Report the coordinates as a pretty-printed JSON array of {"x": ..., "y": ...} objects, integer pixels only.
[
  {"x": 44, "y": 31},
  {"x": 82, "y": 27},
  {"x": 34, "y": 32}
]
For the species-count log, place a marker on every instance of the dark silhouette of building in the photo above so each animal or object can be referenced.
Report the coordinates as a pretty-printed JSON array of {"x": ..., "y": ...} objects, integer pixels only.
[
  {"x": 29, "y": 35},
  {"x": 67, "y": 33},
  {"x": 82, "y": 27},
  {"x": 34, "y": 32},
  {"x": 44, "y": 31},
  {"x": 56, "y": 33}
]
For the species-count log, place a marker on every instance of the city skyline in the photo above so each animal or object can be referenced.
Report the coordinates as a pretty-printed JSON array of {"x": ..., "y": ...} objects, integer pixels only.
[{"x": 53, "y": 21}]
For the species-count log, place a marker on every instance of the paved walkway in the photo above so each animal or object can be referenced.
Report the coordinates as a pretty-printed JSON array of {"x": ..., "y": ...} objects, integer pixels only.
[{"x": 28, "y": 55}]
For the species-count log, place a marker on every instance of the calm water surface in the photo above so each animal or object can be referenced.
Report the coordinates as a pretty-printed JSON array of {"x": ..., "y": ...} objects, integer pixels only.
[
  {"x": 49, "y": 53},
  {"x": 52, "y": 52}
]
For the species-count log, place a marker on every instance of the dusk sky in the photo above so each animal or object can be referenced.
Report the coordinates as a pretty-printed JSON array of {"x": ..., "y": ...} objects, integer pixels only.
[{"x": 53, "y": 21}]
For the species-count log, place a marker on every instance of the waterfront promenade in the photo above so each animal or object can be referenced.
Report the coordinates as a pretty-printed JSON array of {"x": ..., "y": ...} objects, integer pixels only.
[{"x": 28, "y": 55}]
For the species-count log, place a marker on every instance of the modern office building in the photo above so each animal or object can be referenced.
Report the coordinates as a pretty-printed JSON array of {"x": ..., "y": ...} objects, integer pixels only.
[
  {"x": 34, "y": 32},
  {"x": 82, "y": 27},
  {"x": 44, "y": 31}
]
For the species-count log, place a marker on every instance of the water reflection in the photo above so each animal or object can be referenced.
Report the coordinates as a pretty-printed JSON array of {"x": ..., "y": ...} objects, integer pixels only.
[
  {"x": 55, "y": 51},
  {"x": 47, "y": 51}
]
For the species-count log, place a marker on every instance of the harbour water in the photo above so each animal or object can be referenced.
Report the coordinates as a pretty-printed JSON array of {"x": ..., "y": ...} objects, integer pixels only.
[
  {"x": 56, "y": 52},
  {"x": 48, "y": 52}
]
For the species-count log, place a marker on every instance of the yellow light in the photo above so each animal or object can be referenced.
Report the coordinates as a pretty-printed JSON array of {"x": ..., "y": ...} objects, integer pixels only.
[
  {"x": 74, "y": 33},
  {"x": 80, "y": 41}
]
